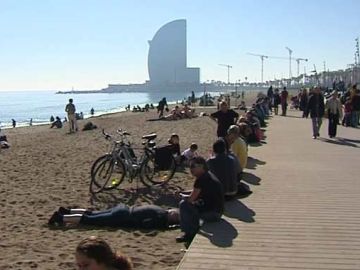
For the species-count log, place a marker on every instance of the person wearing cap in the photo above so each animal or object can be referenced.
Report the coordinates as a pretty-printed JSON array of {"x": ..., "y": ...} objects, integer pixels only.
[
  {"x": 316, "y": 109},
  {"x": 334, "y": 111},
  {"x": 205, "y": 201}
]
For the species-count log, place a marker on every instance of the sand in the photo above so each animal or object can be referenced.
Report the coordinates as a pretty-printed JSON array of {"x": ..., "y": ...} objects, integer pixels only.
[{"x": 47, "y": 168}]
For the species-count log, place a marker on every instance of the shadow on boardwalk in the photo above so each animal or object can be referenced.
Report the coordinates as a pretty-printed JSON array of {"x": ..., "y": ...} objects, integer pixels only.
[
  {"x": 340, "y": 141},
  {"x": 238, "y": 210},
  {"x": 220, "y": 233},
  {"x": 251, "y": 178},
  {"x": 252, "y": 163}
]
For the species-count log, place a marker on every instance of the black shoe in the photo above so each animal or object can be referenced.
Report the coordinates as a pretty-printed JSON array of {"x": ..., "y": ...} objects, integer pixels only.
[
  {"x": 64, "y": 211},
  {"x": 184, "y": 238},
  {"x": 56, "y": 219}
]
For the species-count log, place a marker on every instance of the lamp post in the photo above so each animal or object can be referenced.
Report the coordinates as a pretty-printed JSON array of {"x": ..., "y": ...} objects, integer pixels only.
[{"x": 290, "y": 53}]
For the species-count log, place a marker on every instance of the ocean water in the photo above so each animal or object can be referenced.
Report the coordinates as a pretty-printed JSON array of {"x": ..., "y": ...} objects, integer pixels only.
[{"x": 40, "y": 105}]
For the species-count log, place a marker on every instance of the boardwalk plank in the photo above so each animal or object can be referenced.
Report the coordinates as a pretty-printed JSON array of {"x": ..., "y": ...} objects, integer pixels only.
[{"x": 303, "y": 213}]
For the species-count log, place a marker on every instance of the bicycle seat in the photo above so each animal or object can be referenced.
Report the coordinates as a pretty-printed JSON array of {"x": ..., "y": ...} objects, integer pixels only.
[{"x": 149, "y": 137}]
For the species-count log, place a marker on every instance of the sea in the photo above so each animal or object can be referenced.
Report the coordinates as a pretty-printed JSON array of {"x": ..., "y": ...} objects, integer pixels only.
[{"x": 41, "y": 105}]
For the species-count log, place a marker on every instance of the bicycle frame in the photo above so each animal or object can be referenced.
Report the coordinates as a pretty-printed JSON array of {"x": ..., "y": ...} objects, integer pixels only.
[{"x": 120, "y": 150}]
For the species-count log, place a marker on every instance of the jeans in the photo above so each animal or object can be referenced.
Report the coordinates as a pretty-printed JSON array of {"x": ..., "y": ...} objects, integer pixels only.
[
  {"x": 190, "y": 216},
  {"x": 117, "y": 216},
  {"x": 333, "y": 122},
  {"x": 355, "y": 118},
  {"x": 316, "y": 124},
  {"x": 283, "y": 109}
]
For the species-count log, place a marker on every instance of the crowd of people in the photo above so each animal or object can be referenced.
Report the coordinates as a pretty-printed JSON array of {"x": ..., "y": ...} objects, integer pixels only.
[
  {"x": 216, "y": 180},
  {"x": 339, "y": 107}
]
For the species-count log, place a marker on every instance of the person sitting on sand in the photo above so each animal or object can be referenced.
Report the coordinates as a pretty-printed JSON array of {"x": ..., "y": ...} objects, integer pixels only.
[
  {"x": 205, "y": 201},
  {"x": 146, "y": 216},
  {"x": 57, "y": 123},
  {"x": 3, "y": 141},
  {"x": 95, "y": 254},
  {"x": 187, "y": 112},
  {"x": 175, "y": 114},
  {"x": 242, "y": 106},
  {"x": 174, "y": 146},
  {"x": 224, "y": 167},
  {"x": 189, "y": 153}
]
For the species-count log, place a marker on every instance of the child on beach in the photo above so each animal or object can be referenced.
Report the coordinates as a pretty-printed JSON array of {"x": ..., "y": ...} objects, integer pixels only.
[
  {"x": 174, "y": 145},
  {"x": 189, "y": 153}
]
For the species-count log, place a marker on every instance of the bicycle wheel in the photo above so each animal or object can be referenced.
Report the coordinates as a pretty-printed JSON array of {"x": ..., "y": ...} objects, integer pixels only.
[
  {"x": 106, "y": 173},
  {"x": 150, "y": 174}
]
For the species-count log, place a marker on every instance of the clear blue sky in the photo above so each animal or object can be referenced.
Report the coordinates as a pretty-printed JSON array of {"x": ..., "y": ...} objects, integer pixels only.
[{"x": 86, "y": 44}]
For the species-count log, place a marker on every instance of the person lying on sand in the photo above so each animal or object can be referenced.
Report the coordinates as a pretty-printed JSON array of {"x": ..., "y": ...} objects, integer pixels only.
[{"x": 146, "y": 216}]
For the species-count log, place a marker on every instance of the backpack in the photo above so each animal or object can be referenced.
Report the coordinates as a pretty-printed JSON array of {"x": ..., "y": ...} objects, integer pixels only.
[{"x": 163, "y": 157}]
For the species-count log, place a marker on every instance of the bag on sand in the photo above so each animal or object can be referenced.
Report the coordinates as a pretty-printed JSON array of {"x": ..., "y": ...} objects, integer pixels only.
[
  {"x": 163, "y": 157},
  {"x": 89, "y": 126}
]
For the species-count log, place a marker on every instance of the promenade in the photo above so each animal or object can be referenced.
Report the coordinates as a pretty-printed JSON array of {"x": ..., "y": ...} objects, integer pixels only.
[{"x": 304, "y": 211}]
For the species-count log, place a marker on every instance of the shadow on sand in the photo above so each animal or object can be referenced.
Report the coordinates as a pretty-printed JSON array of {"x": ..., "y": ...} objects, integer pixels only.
[{"x": 159, "y": 195}]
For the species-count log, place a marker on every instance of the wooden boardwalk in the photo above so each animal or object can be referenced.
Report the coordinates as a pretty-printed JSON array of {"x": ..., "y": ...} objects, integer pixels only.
[{"x": 304, "y": 212}]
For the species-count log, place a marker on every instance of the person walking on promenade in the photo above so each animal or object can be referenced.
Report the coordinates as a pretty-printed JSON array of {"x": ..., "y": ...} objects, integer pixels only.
[
  {"x": 277, "y": 101},
  {"x": 270, "y": 95},
  {"x": 224, "y": 117},
  {"x": 355, "y": 105},
  {"x": 283, "y": 97},
  {"x": 70, "y": 109},
  {"x": 334, "y": 112},
  {"x": 316, "y": 109},
  {"x": 303, "y": 101}
]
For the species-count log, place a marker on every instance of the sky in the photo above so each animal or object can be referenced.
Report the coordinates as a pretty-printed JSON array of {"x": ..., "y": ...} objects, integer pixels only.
[{"x": 88, "y": 44}]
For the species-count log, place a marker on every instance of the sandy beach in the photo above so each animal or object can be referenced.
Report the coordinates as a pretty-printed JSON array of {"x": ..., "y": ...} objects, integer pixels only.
[{"x": 47, "y": 168}]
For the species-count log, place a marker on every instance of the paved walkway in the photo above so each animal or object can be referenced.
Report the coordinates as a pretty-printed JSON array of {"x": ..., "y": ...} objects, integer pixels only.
[{"x": 304, "y": 212}]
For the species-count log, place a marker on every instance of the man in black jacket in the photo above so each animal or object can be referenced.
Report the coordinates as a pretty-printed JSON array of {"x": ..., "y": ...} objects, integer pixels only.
[{"x": 316, "y": 108}]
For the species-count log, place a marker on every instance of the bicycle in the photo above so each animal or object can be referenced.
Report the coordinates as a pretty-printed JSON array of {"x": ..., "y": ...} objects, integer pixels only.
[{"x": 109, "y": 170}]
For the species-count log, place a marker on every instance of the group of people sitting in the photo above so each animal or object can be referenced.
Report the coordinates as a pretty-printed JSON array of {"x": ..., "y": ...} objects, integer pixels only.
[
  {"x": 137, "y": 108},
  {"x": 216, "y": 179},
  {"x": 178, "y": 113}
]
